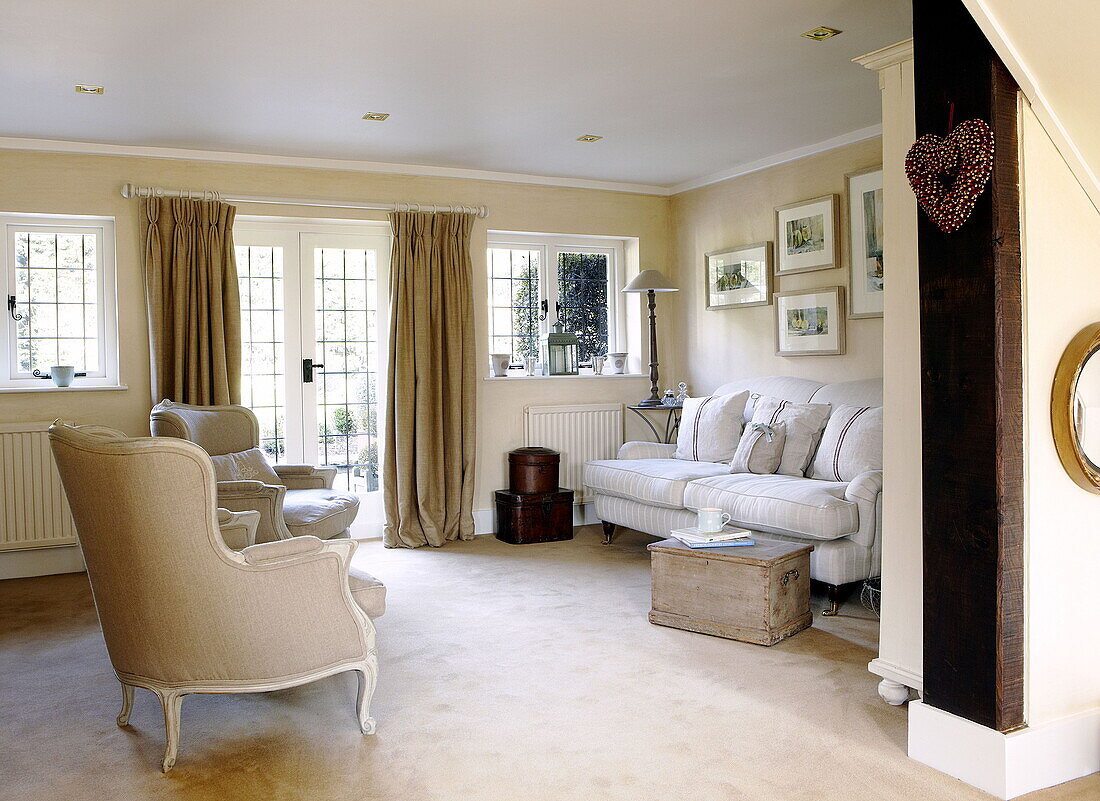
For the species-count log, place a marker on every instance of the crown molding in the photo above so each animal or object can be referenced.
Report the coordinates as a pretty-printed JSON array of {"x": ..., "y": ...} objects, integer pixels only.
[
  {"x": 886, "y": 56},
  {"x": 387, "y": 168},
  {"x": 348, "y": 165},
  {"x": 850, "y": 138},
  {"x": 1029, "y": 85}
]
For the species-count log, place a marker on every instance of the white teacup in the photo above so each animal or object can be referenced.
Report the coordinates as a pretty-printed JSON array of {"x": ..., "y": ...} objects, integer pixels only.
[{"x": 711, "y": 520}]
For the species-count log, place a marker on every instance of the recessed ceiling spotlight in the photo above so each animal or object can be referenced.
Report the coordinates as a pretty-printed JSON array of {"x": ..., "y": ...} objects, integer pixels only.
[
  {"x": 375, "y": 116},
  {"x": 589, "y": 138},
  {"x": 821, "y": 34},
  {"x": 88, "y": 89}
]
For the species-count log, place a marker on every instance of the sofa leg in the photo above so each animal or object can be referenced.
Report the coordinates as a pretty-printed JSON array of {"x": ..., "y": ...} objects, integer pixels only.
[
  {"x": 608, "y": 532},
  {"x": 834, "y": 599}
]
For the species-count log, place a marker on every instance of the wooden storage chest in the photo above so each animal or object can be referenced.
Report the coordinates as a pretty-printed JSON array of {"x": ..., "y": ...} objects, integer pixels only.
[
  {"x": 534, "y": 517},
  {"x": 758, "y": 593},
  {"x": 533, "y": 470}
]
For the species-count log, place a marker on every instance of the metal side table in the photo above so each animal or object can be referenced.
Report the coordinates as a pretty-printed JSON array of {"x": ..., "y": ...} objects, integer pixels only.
[{"x": 671, "y": 421}]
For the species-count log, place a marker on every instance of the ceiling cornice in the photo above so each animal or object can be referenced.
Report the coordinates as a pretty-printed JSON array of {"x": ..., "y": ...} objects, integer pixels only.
[
  {"x": 350, "y": 165},
  {"x": 887, "y": 56},
  {"x": 387, "y": 168},
  {"x": 849, "y": 138}
]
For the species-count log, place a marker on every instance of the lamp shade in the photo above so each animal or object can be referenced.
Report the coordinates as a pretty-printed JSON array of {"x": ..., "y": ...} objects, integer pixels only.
[{"x": 650, "y": 281}]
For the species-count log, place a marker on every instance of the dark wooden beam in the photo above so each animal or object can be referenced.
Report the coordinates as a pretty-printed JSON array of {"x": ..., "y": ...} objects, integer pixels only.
[{"x": 972, "y": 390}]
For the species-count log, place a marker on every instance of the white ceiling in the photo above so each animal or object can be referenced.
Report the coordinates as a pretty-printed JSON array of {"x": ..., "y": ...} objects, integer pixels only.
[{"x": 679, "y": 89}]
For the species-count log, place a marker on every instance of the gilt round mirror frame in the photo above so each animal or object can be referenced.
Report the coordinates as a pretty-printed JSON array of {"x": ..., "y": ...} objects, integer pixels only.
[{"x": 1066, "y": 414}]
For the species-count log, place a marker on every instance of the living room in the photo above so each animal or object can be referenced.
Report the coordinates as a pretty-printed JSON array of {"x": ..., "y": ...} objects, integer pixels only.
[{"x": 372, "y": 262}]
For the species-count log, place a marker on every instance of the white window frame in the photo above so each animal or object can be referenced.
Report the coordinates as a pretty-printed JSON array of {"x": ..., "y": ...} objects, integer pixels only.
[
  {"x": 550, "y": 246},
  {"x": 103, "y": 228}
]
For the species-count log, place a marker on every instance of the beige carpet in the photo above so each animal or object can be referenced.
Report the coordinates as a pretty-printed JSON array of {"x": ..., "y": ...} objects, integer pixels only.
[{"x": 512, "y": 673}]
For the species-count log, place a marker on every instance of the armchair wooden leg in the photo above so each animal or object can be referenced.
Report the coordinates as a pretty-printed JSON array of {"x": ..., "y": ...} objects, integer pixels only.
[
  {"x": 123, "y": 718},
  {"x": 367, "y": 679},
  {"x": 833, "y": 593},
  {"x": 171, "y": 702},
  {"x": 608, "y": 532}
]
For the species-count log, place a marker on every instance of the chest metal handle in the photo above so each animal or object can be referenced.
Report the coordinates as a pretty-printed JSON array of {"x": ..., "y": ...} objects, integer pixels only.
[{"x": 790, "y": 574}]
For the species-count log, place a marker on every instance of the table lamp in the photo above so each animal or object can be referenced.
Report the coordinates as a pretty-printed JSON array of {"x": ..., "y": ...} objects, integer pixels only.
[{"x": 651, "y": 281}]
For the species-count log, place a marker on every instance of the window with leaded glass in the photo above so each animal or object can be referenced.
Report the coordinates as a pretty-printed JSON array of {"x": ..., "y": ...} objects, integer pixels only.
[
  {"x": 59, "y": 278},
  {"x": 536, "y": 280},
  {"x": 514, "y": 302}
]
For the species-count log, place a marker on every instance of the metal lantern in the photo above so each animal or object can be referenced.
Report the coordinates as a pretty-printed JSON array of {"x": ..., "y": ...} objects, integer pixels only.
[{"x": 559, "y": 352}]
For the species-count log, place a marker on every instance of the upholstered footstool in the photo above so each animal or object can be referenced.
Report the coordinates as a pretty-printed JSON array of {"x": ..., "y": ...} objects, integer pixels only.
[{"x": 368, "y": 592}]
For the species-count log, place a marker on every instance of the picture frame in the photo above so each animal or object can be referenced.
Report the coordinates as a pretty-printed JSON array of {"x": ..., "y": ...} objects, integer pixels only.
[
  {"x": 810, "y": 322},
  {"x": 863, "y": 193},
  {"x": 806, "y": 235},
  {"x": 739, "y": 277}
]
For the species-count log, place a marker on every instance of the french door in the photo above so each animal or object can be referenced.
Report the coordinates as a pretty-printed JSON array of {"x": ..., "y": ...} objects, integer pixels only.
[{"x": 313, "y": 322}]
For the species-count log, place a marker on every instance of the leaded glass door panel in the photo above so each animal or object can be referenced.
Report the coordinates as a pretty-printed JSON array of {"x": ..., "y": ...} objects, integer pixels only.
[
  {"x": 346, "y": 294},
  {"x": 317, "y": 293}
]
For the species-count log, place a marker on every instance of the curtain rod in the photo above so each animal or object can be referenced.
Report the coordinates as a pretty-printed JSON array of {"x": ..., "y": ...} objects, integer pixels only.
[{"x": 131, "y": 191}]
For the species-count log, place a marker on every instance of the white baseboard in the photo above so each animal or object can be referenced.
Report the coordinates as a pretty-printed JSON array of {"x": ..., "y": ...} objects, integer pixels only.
[
  {"x": 1005, "y": 765},
  {"x": 41, "y": 562},
  {"x": 485, "y": 520},
  {"x": 888, "y": 670}
]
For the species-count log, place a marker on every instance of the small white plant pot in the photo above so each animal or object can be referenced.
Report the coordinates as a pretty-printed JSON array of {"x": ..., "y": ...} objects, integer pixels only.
[
  {"x": 616, "y": 363},
  {"x": 62, "y": 375},
  {"x": 498, "y": 363}
]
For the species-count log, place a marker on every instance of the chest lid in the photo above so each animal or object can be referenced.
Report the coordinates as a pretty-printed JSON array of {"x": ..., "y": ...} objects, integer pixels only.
[
  {"x": 534, "y": 456},
  {"x": 509, "y": 498}
]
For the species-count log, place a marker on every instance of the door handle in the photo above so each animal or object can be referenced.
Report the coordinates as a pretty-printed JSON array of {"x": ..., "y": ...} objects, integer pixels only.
[{"x": 307, "y": 370}]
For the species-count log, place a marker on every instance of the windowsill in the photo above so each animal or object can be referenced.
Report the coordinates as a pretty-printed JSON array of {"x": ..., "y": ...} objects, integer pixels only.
[
  {"x": 52, "y": 388},
  {"x": 525, "y": 377}
]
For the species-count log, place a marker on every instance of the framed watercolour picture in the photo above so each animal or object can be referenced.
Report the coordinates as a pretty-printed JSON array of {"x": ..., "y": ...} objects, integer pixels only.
[
  {"x": 864, "y": 192},
  {"x": 739, "y": 277},
  {"x": 805, "y": 235},
  {"x": 810, "y": 322}
]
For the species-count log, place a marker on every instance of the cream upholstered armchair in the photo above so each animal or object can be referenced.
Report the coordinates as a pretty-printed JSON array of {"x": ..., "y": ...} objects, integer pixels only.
[
  {"x": 292, "y": 501},
  {"x": 181, "y": 613}
]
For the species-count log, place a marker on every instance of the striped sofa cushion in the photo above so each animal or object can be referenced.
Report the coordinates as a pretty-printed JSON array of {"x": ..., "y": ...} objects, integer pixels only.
[
  {"x": 660, "y": 482},
  {"x": 851, "y": 444},
  {"x": 710, "y": 427},
  {"x": 793, "y": 504}
]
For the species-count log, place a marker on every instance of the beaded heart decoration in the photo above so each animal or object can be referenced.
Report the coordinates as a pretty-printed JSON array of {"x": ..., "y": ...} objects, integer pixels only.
[{"x": 949, "y": 173}]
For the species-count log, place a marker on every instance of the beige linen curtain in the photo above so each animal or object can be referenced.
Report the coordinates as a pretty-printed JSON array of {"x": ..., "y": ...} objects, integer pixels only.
[
  {"x": 428, "y": 473},
  {"x": 193, "y": 300}
]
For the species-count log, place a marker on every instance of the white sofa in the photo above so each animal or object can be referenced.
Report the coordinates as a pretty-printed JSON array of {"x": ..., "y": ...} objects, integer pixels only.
[{"x": 647, "y": 490}]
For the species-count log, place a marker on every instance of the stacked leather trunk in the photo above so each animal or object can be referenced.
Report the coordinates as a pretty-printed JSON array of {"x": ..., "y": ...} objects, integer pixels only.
[{"x": 534, "y": 508}]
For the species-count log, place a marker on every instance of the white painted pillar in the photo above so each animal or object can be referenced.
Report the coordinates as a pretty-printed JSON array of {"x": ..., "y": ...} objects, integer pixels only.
[{"x": 900, "y": 659}]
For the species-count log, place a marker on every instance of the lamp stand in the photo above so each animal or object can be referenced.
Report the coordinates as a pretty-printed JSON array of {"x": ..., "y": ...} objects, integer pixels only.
[{"x": 654, "y": 398}]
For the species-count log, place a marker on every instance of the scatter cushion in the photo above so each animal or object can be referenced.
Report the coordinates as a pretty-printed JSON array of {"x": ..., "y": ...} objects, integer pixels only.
[
  {"x": 784, "y": 504},
  {"x": 804, "y": 423},
  {"x": 250, "y": 465},
  {"x": 710, "y": 427},
  {"x": 322, "y": 513},
  {"x": 851, "y": 444},
  {"x": 658, "y": 482},
  {"x": 368, "y": 592},
  {"x": 760, "y": 449}
]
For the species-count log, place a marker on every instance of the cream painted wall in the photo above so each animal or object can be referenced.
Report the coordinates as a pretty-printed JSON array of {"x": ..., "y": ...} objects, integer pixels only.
[
  {"x": 1062, "y": 274},
  {"x": 711, "y": 347},
  {"x": 74, "y": 184}
]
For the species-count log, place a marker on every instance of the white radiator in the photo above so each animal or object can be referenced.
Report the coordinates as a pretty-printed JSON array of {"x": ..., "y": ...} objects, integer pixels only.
[
  {"x": 34, "y": 512},
  {"x": 579, "y": 433}
]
